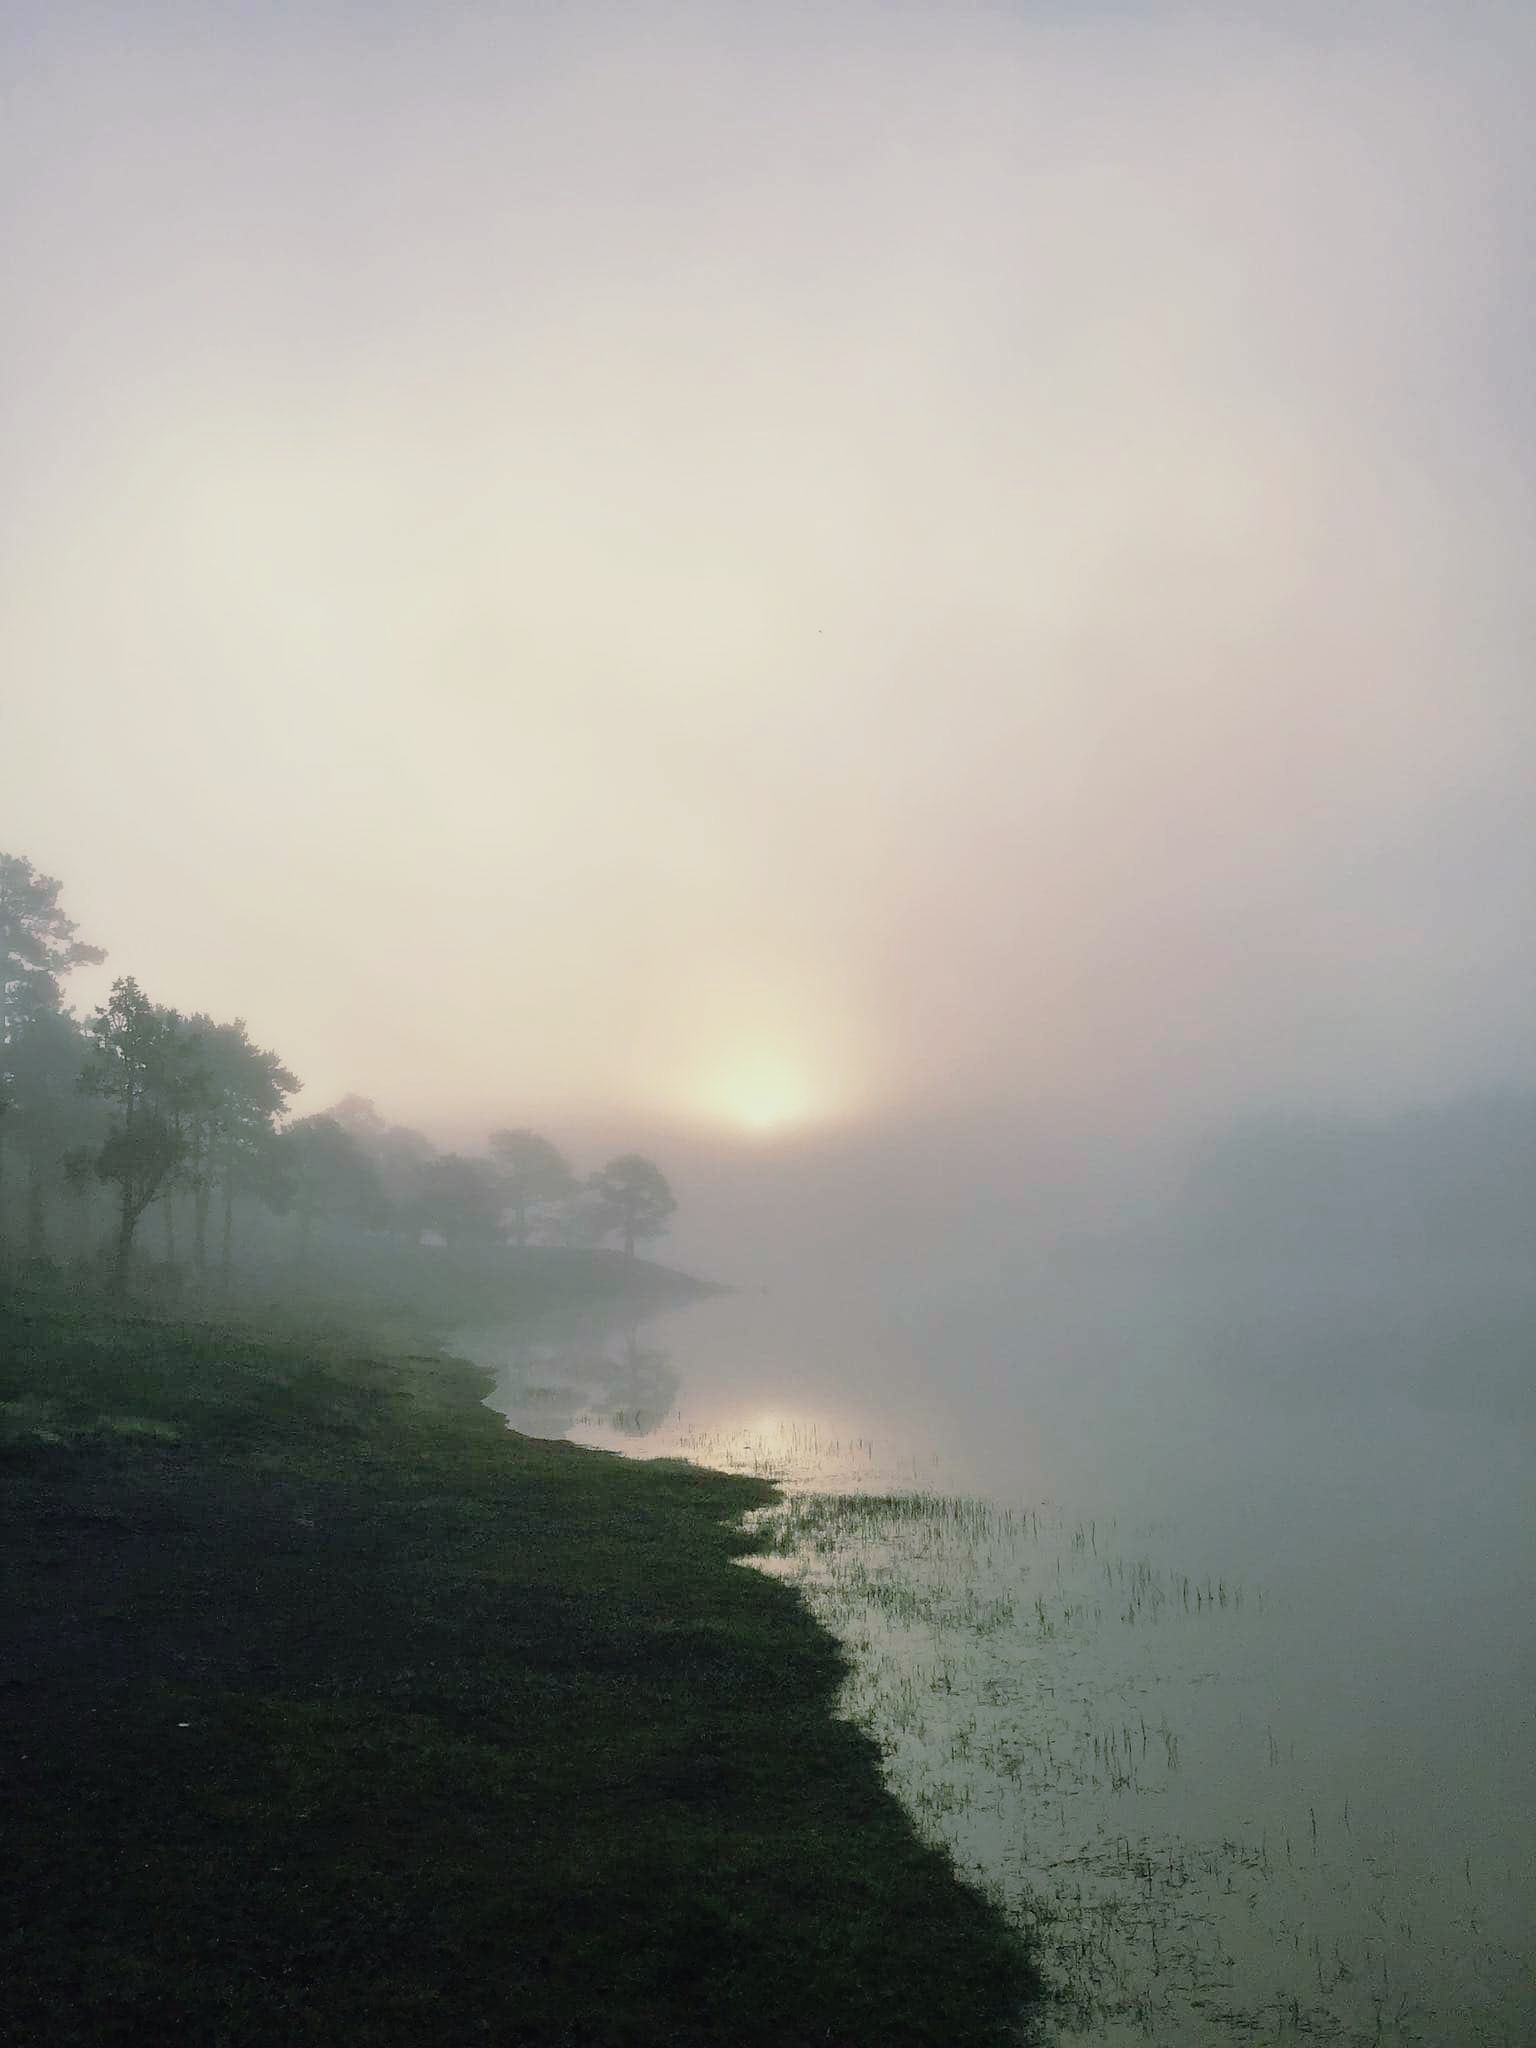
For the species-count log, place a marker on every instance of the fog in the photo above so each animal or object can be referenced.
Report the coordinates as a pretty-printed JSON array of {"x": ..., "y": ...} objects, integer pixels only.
[
  {"x": 922, "y": 614},
  {"x": 708, "y": 572},
  {"x": 1179, "y": 1536}
]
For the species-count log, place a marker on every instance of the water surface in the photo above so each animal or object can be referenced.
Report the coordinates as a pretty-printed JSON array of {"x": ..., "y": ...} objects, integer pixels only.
[{"x": 1195, "y": 1619}]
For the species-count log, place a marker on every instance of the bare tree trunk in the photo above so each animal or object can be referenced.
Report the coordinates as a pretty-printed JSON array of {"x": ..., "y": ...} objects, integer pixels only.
[
  {"x": 229, "y": 1212},
  {"x": 168, "y": 1220},
  {"x": 37, "y": 1210},
  {"x": 202, "y": 1190},
  {"x": 127, "y": 1219}
]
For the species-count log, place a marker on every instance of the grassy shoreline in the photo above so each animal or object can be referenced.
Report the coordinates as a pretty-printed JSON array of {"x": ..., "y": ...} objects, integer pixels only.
[{"x": 340, "y": 1713}]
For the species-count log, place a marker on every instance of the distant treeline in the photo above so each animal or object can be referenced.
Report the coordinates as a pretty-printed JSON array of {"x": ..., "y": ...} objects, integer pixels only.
[{"x": 141, "y": 1112}]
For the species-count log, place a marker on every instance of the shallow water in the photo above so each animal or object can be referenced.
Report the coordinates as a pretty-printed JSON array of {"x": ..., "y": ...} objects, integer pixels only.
[{"x": 1222, "y": 1678}]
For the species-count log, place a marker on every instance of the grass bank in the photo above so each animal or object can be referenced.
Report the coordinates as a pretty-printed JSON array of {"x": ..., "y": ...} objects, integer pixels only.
[
  {"x": 366, "y": 1286},
  {"x": 336, "y": 1714}
]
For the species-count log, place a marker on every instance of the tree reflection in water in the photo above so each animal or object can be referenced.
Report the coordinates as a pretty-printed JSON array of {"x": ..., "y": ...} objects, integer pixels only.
[{"x": 546, "y": 1385}]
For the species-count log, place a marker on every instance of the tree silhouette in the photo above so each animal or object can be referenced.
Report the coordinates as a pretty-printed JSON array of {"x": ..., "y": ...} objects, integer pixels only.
[
  {"x": 461, "y": 1199},
  {"x": 401, "y": 1155},
  {"x": 143, "y": 1062},
  {"x": 37, "y": 947},
  {"x": 232, "y": 1127},
  {"x": 328, "y": 1173},
  {"x": 357, "y": 1115},
  {"x": 532, "y": 1172},
  {"x": 50, "y": 1118},
  {"x": 634, "y": 1198}
]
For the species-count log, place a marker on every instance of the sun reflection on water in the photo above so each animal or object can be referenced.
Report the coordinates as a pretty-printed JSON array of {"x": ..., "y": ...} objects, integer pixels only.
[{"x": 1091, "y": 1712}]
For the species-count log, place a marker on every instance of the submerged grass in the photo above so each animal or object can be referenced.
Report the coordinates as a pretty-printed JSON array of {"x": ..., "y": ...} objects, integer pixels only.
[
  {"x": 338, "y": 1713},
  {"x": 1019, "y": 1670}
]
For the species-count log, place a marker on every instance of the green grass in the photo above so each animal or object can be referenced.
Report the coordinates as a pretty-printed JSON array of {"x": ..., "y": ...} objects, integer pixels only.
[{"x": 336, "y": 1713}]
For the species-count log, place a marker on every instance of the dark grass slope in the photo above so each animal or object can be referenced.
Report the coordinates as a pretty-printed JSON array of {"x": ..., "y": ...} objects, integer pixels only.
[{"x": 335, "y": 1714}]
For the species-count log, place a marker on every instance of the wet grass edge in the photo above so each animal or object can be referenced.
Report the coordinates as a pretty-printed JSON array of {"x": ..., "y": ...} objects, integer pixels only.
[{"x": 339, "y": 1712}]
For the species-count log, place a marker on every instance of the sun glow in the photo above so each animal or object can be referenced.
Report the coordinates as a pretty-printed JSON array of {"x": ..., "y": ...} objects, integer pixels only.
[
  {"x": 763, "y": 1094},
  {"x": 766, "y": 1049}
]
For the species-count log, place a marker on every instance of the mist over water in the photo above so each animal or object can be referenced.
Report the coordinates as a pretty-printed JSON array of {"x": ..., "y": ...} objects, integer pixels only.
[
  {"x": 1224, "y": 1675},
  {"x": 922, "y": 614}
]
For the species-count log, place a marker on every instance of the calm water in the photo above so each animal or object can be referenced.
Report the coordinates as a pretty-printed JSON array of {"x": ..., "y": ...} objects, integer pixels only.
[{"x": 1197, "y": 1622}]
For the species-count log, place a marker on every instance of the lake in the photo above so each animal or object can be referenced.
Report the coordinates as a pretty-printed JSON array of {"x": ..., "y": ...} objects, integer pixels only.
[{"x": 1192, "y": 1613}]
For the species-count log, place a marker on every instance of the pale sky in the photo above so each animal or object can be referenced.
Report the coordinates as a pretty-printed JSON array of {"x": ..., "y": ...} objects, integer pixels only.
[{"x": 738, "y": 565}]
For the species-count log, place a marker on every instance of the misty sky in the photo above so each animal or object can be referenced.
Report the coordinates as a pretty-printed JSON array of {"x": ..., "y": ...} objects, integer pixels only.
[{"x": 760, "y": 564}]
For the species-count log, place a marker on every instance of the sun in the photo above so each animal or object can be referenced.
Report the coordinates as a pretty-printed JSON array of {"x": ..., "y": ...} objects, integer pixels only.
[
  {"x": 766, "y": 1053},
  {"x": 762, "y": 1093}
]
